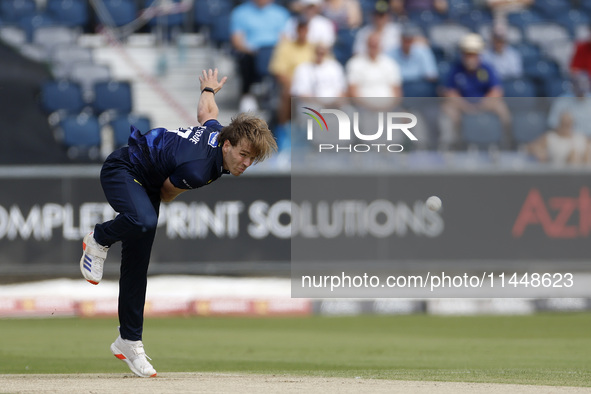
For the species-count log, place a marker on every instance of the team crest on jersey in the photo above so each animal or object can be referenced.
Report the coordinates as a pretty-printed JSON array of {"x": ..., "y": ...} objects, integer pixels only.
[{"x": 213, "y": 139}]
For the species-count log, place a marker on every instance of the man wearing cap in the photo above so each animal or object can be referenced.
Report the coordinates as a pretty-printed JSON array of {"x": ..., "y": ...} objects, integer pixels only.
[
  {"x": 502, "y": 57},
  {"x": 471, "y": 87},
  {"x": 414, "y": 56}
]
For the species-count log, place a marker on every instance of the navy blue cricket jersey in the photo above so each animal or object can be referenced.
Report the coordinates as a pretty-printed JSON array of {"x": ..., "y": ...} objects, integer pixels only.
[{"x": 191, "y": 157}]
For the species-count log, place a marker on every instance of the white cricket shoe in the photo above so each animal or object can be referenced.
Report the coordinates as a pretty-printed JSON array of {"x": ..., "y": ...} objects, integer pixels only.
[
  {"x": 93, "y": 259},
  {"x": 132, "y": 352}
]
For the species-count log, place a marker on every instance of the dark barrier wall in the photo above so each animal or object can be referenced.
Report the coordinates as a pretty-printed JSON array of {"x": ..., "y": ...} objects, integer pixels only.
[
  {"x": 495, "y": 217},
  {"x": 504, "y": 217},
  {"x": 43, "y": 221}
]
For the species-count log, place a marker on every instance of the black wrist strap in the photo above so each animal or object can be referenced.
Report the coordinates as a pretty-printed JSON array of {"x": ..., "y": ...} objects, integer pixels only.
[{"x": 208, "y": 90}]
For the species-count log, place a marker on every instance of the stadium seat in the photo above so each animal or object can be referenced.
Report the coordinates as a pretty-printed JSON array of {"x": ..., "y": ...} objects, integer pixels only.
[
  {"x": 458, "y": 8},
  {"x": 71, "y": 13},
  {"x": 62, "y": 96},
  {"x": 546, "y": 34},
  {"x": 514, "y": 35},
  {"x": 220, "y": 30},
  {"x": 112, "y": 96},
  {"x": 523, "y": 18},
  {"x": 541, "y": 69},
  {"x": 118, "y": 12},
  {"x": 50, "y": 36},
  {"x": 205, "y": 11},
  {"x": 70, "y": 54},
  {"x": 475, "y": 18},
  {"x": 520, "y": 93},
  {"x": 87, "y": 75},
  {"x": 519, "y": 87},
  {"x": 447, "y": 35},
  {"x": 80, "y": 135},
  {"x": 425, "y": 19},
  {"x": 556, "y": 87},
  {"x": 343, "y": 47},
  {"x": 419, "y": 89},
  {"x": 13, "y": 10},
  {"x": 177, "y": 19},
  {"x": 572, "y": 20},
  {"x": 121, "y": 127},
  {"x": 551, "y": 8},
  {"x": 527, "y": 126},
  {"x": 529, "y": 53},
  {"x": 483, "y": 129},
  {"x": 30, "y": 23}
]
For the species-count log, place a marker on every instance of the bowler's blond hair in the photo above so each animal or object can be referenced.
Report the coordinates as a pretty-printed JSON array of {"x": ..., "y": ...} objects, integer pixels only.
[{"x": 252, "y": 129}]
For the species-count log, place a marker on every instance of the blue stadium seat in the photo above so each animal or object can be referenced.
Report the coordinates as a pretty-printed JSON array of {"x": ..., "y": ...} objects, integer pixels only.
[
  {"x": 220, "y": 29},
  {"x": 113, "y": 96},
  {"x": 13, "y": 10},
  {"x": 475, "y": 18},
  {"x": 571, "y": 20},
  {"x": 30, "y": 23},
  {"x": 513, "y": 34},
  {"x": 529, "y": 53},
  {"x": 205, "y": 11},
  {"x": 519, "y": 87},
  {"x": 425, "y": 18},
  {"x": 71, "y": 13},
  {"x": 80, "y": 134},
  {"x": 541, "y": 69},
  {"x": 523, "y": 18},
  {"x": 121, "y": 127},
  {"x": 169, "y": 20},
  {"x": 527, "y": 126},
  {"x": 262, "y": 60},
  {"x": 556, "y": 87},
  {"x": 551, "y": 8},
  {"x": 61, "y": 96},
  {"x": 343, "y": 47},
  {"x": 419, "y": 89},
  {"x": 458, "y": 8},
  {"x": 120, "y": 12},
  {"x": 481, "y": 129}
]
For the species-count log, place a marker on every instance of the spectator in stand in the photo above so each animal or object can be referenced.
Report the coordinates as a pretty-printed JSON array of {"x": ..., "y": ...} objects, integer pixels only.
[
  {"x": 248, "y": 35},
  {"x": 344, "y": 14},
  {"x": 563, "y": 145},
  {"x": 323, "y": 77},
  {"x": 401, "y": 8},
  {"x": 501, "y": 8},
  {"x": 389, "y": 32},
  {"x": 581, "y": 61},
  {"x": 374, "y": 75},
  {"x": 287, "y": 56},
  {"x": 414, "y": 57},
  {"x": 320, "y": 28},
  {"x": 472, "y": 86},
  {"x": 502, "y": 57},
  {"x": 577, "y": 103}
]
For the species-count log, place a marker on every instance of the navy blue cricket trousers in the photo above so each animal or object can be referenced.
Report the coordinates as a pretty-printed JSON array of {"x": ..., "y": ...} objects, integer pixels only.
[{"x": 135, "y": 227}]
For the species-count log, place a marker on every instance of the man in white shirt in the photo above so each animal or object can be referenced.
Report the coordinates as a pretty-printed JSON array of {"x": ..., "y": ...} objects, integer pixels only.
[
  {"x": 320, "y": 29},
  {"x": 373, "y": 74},
  {"x": 324, "y": 77}
]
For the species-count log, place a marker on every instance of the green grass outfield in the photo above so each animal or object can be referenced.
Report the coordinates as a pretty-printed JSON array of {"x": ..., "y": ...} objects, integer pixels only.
[{"x": 549, "y": 349}]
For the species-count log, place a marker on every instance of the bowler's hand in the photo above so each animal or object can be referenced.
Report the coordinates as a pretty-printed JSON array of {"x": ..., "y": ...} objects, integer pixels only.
[{"x": 209, "y": 79}]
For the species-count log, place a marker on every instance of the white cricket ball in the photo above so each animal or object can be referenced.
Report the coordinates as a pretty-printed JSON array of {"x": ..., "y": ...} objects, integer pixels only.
[{"x": 434, "y": 203}]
